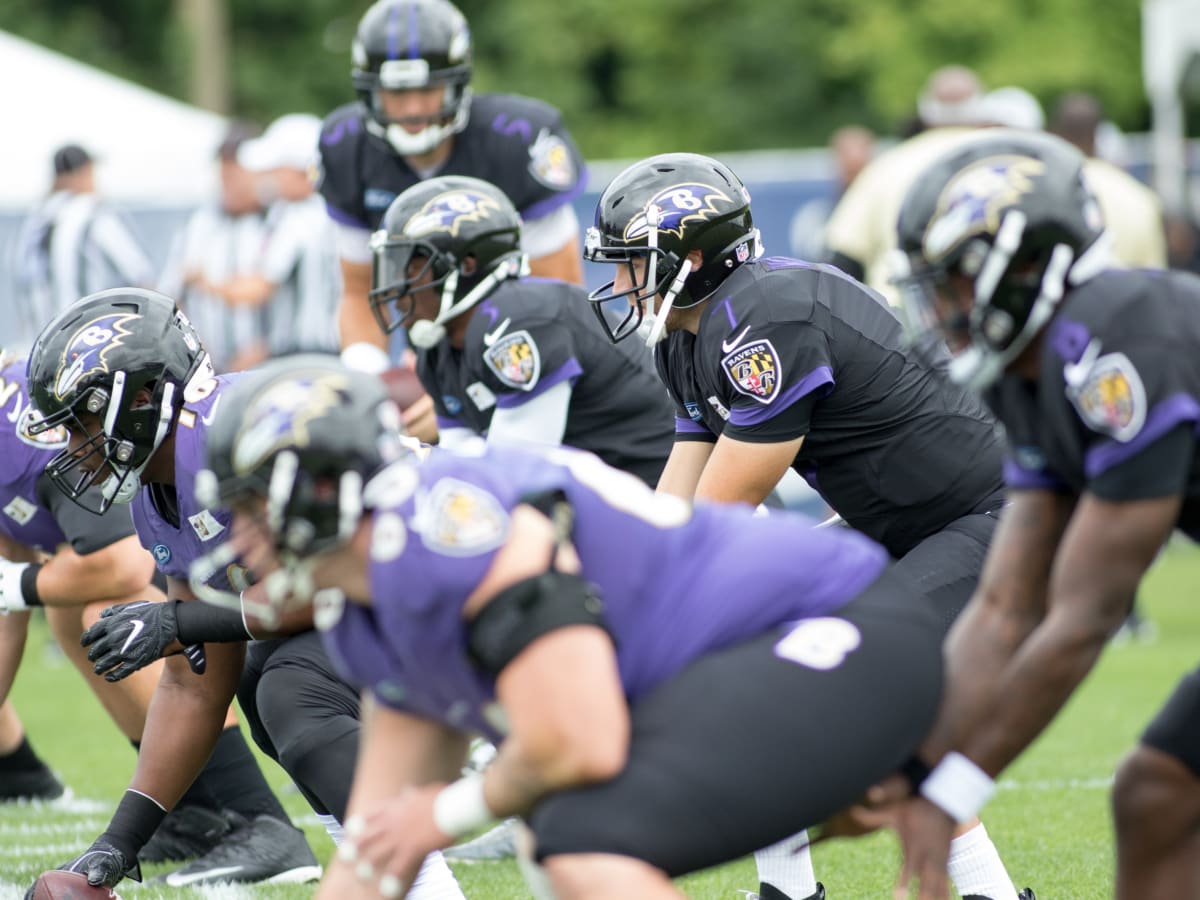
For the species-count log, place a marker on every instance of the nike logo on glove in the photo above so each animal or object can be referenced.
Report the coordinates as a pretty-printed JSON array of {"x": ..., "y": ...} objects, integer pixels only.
[
  {"x": 490, "y": 337},
  {"x": 138, "y": 625},
  {"x": 730, "y": 346}
]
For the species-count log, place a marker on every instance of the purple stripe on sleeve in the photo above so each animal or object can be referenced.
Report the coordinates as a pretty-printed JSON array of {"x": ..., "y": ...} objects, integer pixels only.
[
  {"x": 571, "y": 369},
  {"x": 817, "y": 378},
  {"x": 1162, "y": 418},
  {"x": 344, "y": 218},
  {"x": 547, "y": 205},
  {"x": 444, "y": 422},
  {"x": 688, "y": 426},
  {"x": 1024, "y": 479}
]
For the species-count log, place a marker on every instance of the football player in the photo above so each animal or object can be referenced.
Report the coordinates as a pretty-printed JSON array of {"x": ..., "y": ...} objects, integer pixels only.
[
  {"x": 56, "y": 556},
  {"x": 1092, "y": 371},
  {"x": 511, "y": 357},
  {"x": 416, "y": 117},
  {"x": 560, "y": 607},
  {"x": 97, "y": 561},
  {"x": 775, "y": 363},
  {"x": 126, "y": 374}
]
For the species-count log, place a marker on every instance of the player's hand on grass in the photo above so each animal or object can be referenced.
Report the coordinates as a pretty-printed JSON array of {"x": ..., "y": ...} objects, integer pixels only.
[
  {"x": 925, "y": 832},
  {"x": 385, "y": 848},
  {"x": 103, "y": 864}
]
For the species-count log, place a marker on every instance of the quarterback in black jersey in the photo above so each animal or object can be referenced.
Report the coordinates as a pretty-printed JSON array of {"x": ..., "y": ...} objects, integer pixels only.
[
  {"x": 415, "y": 117},
  {"x": 511, "y": 357},
  {"x": 775, "y": 363},
  {"x": 1093, "y": 372}
]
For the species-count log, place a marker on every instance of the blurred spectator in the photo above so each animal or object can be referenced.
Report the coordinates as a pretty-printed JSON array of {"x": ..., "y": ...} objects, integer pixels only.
[
  {"x": 72, "y": 245},
  {"x": 862, "y": 229},
  {"x": 1012, "y": 107},
  {"x": 221, "y": 241},
  {"x": 297, "y": 281},
  {"x": 852, "y": 148},
  {"x": 1132, "y": 212}
]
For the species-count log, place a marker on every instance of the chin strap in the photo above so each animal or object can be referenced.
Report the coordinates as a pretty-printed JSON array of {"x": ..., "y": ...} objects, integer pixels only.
[{"x": 425, "y": 333}]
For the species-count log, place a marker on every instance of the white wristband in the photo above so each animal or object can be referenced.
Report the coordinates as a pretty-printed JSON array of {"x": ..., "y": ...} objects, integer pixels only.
[
  {"x": 366, "y": 357},
  {"x": 11, "y": 598},
  {"x": 958, "y": 787},
  {"x": 460, "y": 808}
]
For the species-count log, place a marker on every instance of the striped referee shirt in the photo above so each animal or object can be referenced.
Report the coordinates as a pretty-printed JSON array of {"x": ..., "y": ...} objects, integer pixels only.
[
  {"x": 300, "y": 257},
  {"x": 71, "y": 246}
]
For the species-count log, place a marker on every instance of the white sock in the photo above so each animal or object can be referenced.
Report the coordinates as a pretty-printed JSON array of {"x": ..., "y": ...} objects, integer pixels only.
[
  {"x": 435, "y": 881},
  {"x": 782, "y": 867},
  {"x": 975, "y": 866},
  {"x": 333, "y": 827}
]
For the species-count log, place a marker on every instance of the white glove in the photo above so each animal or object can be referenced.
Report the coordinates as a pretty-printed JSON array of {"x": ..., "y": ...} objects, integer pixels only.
[{"x": 11, "y": 598}]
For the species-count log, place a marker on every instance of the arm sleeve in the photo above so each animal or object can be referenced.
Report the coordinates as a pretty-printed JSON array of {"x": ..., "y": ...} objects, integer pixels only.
[
  {"x": 540, "y": 419},
  {"x": 527, "y": 361},
  {"x": 1160, "y": 470},
  {"x": 85, "y": 531},
  {"x": 541, "y": 237}
]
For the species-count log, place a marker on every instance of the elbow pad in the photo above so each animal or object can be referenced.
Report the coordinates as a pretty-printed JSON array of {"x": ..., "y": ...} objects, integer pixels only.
[{"x": 523, "y": 612}]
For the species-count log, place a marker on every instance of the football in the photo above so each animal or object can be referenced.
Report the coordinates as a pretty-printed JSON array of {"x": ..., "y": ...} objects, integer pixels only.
[
  {"x": 59, "y": 885},
  {"x": 404, "y": 387}
]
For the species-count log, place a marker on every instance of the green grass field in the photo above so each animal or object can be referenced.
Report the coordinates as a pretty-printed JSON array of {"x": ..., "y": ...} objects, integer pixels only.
[{"x": 1049, "y": 819}]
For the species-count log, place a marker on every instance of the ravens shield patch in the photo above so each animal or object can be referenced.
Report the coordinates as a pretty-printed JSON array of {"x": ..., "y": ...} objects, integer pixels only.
[
  {"x": 515, "y": 360},
  {"x": 754, "y": 370},
  {"x": 1112, "y": 398}
]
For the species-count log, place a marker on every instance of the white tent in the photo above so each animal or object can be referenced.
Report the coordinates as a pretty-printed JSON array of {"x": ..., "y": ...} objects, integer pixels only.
[{"x": 151, "y": 150}]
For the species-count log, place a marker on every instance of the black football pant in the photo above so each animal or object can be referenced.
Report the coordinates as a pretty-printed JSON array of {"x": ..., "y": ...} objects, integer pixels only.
[
  {"x": 747, "y": 746},
  {"x": 303, "y": 716}
]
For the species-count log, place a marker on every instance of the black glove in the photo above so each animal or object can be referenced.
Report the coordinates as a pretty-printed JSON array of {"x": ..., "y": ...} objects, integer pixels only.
[
  {"x": 102, "y": 863},
  {"x": 132, "y": 636}
]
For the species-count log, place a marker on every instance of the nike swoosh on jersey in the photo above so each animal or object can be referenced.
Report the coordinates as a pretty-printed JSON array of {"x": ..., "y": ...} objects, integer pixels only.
[
  {"x": 490, "y": 337},
  {"x": 138, "y": 625},
  {"x": 730, "y": 346},
  {"x": 207, "y": 418}
]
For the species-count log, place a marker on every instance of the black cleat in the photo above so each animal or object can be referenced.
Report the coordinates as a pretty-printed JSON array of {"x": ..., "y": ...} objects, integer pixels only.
[
  {"x": 30, "y": 784},
  {"x": 1026, "y": 894},
  {"x": 770, "y": 892},
  {"x": 260, "y": 850},
  {"x": 187, "y": 832}
]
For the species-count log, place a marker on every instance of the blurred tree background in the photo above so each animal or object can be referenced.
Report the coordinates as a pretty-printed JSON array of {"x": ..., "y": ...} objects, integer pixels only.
[{"x": 631, "y": 77}]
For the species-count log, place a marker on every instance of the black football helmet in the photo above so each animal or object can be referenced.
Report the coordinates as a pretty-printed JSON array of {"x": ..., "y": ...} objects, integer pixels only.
[
  {"x": 660, "y": 210},
  {"x": 124, "y": 359},
  {"x": 406, "y": 44},
  {"x": 434, "y": 228},
  {"x": 1011, "y": 213},
  {"x": 296, "y": 443}
]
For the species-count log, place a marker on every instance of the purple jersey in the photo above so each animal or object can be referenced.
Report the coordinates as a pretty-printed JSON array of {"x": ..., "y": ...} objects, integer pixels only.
[
  {"x": 26, "y": 518},
  {"x": 676, "y": 585},
  {"x": 180, "y": 535}
]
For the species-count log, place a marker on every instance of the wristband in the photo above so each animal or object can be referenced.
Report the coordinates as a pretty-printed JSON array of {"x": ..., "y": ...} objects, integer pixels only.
[
  {"x": 29, "y": 590},
  {"x": 958, "y": 787},
  {"x": 136, "y": 818},
  {"x": 460, "y": 808},
  {"x": 12, "y": 586},
  {"x": 364, "y": 356}
]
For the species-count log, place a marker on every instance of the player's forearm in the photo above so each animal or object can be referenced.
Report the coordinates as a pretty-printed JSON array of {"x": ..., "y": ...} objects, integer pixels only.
[
  {"x": 514, "y": 781},
  {"x": 980, "y": 646},
  {"x": 1045, "y": 671},
  {"x": 356, "y": 324},
  {"x": 120, "y": 573}
]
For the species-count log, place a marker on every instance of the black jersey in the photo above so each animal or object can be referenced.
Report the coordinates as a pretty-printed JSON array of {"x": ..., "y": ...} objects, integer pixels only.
[
  {"x": 788, "y": 349},
  {"x": 532, "y": 334},
  {"x": 1117, "y": 402},
  {"x": 517, "y": 143}
]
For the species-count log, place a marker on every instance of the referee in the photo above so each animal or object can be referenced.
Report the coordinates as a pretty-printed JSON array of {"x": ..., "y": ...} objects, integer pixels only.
[{"x": 72, "y": 245}]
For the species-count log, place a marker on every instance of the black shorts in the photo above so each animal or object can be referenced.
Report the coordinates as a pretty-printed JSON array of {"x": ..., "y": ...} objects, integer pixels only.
[
  {"x": 946, "y": 565},
  {"x": 303, "y": 715},
  {"x": 1176, "y": 728},
  {"x": 745, "y": 747}
]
